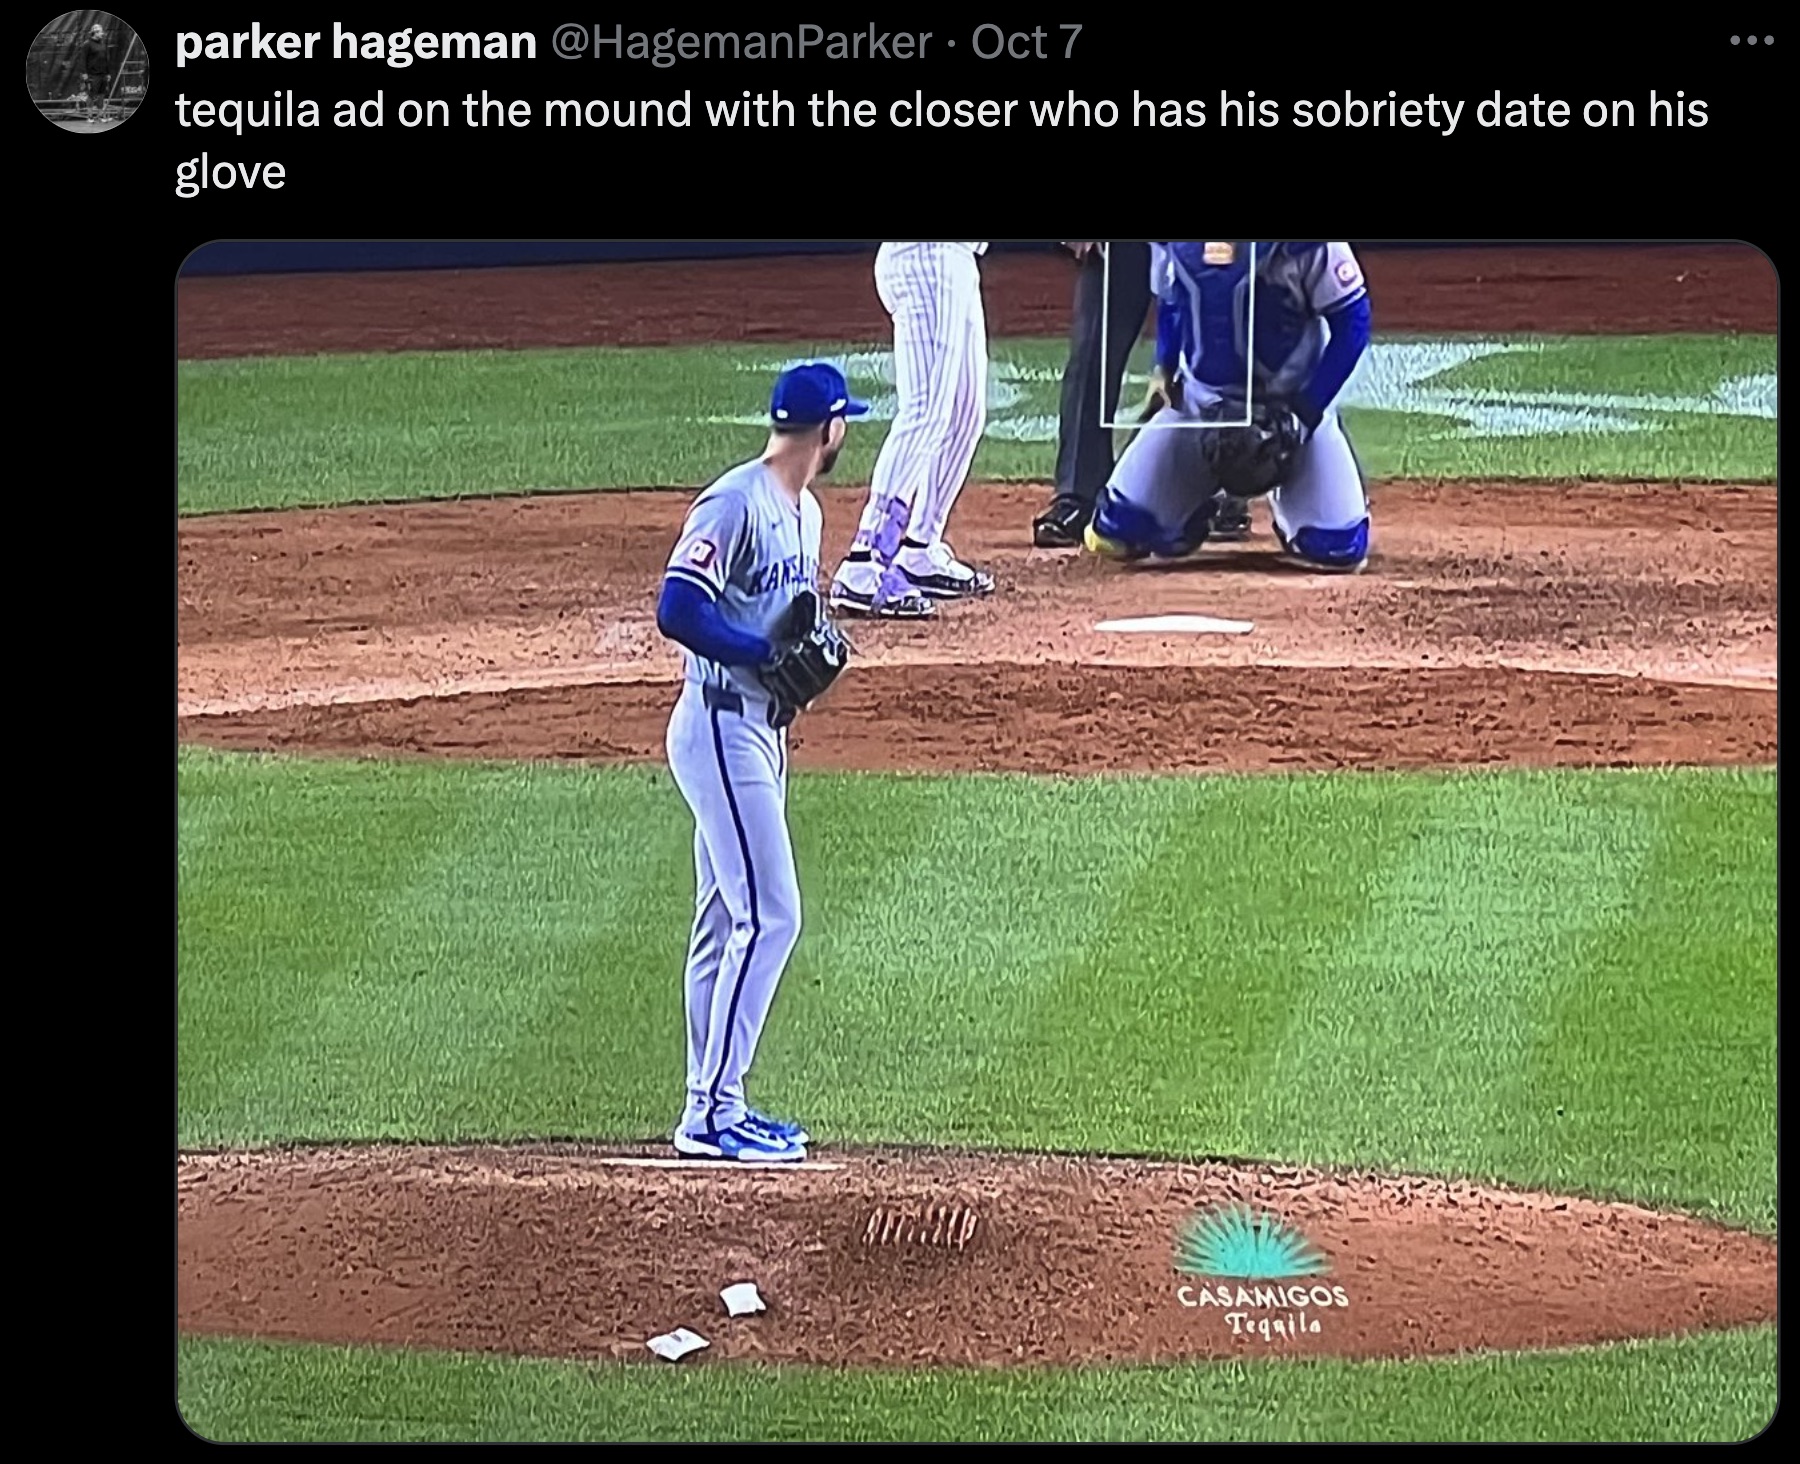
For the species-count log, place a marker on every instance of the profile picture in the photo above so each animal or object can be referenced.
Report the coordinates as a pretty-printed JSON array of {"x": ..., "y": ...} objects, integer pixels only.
[{"x": 87, "y": 71}]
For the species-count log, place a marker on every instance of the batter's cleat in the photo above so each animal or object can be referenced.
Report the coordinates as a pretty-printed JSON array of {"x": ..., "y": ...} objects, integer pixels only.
[
  {"x": 743, "y": 1143},
  {"x": 909, "y": 606},
  {"x": 779, "y": 1127},
  {"x": 1231, "y": 520},
  {"x": 856, "y": 589},
  {"x": 940, "y": 574},
  {"x": 1060, "y": 525},
  {"x": 1097, "y": 543}
]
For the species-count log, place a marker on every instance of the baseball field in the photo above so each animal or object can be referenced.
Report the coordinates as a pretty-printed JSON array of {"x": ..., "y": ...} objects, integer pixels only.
[{"x": 1355, "y": 1024}]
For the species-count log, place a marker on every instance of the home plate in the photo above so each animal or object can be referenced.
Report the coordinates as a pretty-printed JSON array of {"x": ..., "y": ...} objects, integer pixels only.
[{"x": 1178, "y": 624}]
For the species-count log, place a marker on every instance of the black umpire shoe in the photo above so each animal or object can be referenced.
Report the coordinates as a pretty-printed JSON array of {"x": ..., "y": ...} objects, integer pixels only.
[
  {"x": 1231, "y": 520},
  {"x": 1059, "y": 526}
]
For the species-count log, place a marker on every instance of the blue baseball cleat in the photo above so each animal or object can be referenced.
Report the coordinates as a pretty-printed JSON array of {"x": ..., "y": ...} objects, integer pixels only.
[
  {"x": 780, "y": 1127},
  {"x": 744, "y": 1142}
]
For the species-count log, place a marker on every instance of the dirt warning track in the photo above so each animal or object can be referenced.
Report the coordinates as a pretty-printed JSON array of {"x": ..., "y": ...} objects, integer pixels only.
[{"x": 1684, "y": 287}]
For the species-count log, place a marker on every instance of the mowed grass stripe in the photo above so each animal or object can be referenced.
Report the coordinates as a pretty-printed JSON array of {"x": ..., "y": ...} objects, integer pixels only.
[
  {"x": 1028, "y": 963},
  {"x": 278, "y": 432},
  {"x": 1720, "y": 1388},
  {"x": 1420, "y": 1012},
  {"x": 1624, "y": 366},
  {"x": 446, "y": 946},
  {"x": 1668, "y": 1001},
  {"x": 292, "y": 865},
  {"x": 522, "y": 963},
  {"x": 836, "y": 1052},
  {"x": 939, "y": 966},
  {"x": 1176, "y": 1001}
]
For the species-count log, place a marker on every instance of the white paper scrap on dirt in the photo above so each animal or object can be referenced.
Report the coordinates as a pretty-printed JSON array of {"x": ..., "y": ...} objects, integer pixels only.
[
  {"x": 1179, "y": 624},
  {"x": 673, "y": 1346},
  {"x": 742, "y": 1298}
]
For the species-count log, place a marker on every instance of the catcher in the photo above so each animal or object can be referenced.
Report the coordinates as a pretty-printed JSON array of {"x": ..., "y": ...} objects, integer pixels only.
[
  {"x": 740, "y": 598},
  {"x": 1186, "y": 467}
]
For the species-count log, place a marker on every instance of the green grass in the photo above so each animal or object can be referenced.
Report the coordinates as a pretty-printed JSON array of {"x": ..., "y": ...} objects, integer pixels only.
[
  {"x": 277, "y": 432},
  {"x": 1561, "y": 979},
  {"x": 1564, "y": 979},
  {"x": 1709, "y": 1388}
]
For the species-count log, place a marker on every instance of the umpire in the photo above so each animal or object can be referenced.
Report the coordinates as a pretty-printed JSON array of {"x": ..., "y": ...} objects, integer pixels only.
[{"x": 1117, "y": 274}]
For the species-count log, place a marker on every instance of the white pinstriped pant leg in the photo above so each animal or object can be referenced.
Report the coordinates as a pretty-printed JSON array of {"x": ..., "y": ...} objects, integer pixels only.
[
  {"x": 913, "y": 284},
  {"x": 968, "y": 367}
]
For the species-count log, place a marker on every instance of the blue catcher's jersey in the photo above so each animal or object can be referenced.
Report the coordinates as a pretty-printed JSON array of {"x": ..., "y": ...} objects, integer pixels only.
[{"x": 1296, "y": 286}]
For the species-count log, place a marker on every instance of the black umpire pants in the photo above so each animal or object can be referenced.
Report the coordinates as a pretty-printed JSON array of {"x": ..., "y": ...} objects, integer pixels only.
[{"x": 1084, "y": 449}]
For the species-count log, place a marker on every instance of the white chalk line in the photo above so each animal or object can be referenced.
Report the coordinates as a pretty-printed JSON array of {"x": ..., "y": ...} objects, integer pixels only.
[
  {"x": 362, "y": 693},
  {"x": 580, "y": 1173}
]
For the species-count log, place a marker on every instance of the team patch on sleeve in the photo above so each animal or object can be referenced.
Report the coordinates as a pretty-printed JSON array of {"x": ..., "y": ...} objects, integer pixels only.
[
  {"x": 1335, "y": 279},
  {"x": 702, "y": 553}
]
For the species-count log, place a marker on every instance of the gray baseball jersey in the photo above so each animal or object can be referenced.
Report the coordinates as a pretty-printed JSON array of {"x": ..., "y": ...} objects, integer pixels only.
[{"x": 753, "y": 550}]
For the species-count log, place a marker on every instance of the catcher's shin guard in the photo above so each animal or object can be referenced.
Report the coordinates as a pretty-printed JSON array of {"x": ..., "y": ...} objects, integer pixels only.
[{"x": 1343, "y": 551}]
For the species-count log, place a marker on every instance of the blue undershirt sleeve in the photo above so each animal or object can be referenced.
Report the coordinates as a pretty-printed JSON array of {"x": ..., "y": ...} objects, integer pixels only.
[
  {"x": 1349, "y": 339},
  {"x": 690, "y": 617}
]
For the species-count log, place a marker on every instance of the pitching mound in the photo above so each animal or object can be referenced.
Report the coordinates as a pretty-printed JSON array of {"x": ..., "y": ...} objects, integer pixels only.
[{"x": 910, "y": 1259}]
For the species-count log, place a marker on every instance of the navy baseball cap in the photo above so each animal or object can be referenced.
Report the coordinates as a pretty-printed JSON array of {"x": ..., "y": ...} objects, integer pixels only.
[{"x": 812, "y": 392}]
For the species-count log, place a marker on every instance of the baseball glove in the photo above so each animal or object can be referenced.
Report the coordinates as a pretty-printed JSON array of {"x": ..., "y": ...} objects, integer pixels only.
[
  {"x": 1247, "y": 461},
  {"x": 810, "y": 654}
]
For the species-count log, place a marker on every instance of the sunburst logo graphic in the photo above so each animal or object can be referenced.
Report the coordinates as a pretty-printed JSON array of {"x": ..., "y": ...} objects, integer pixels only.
[{"x": 1244, "y": 1244}]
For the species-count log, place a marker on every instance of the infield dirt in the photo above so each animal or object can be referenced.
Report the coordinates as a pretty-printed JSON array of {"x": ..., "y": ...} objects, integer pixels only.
[
  {"x": 1584, "y": 625},
  {"x": 1581, "y": 624}
]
